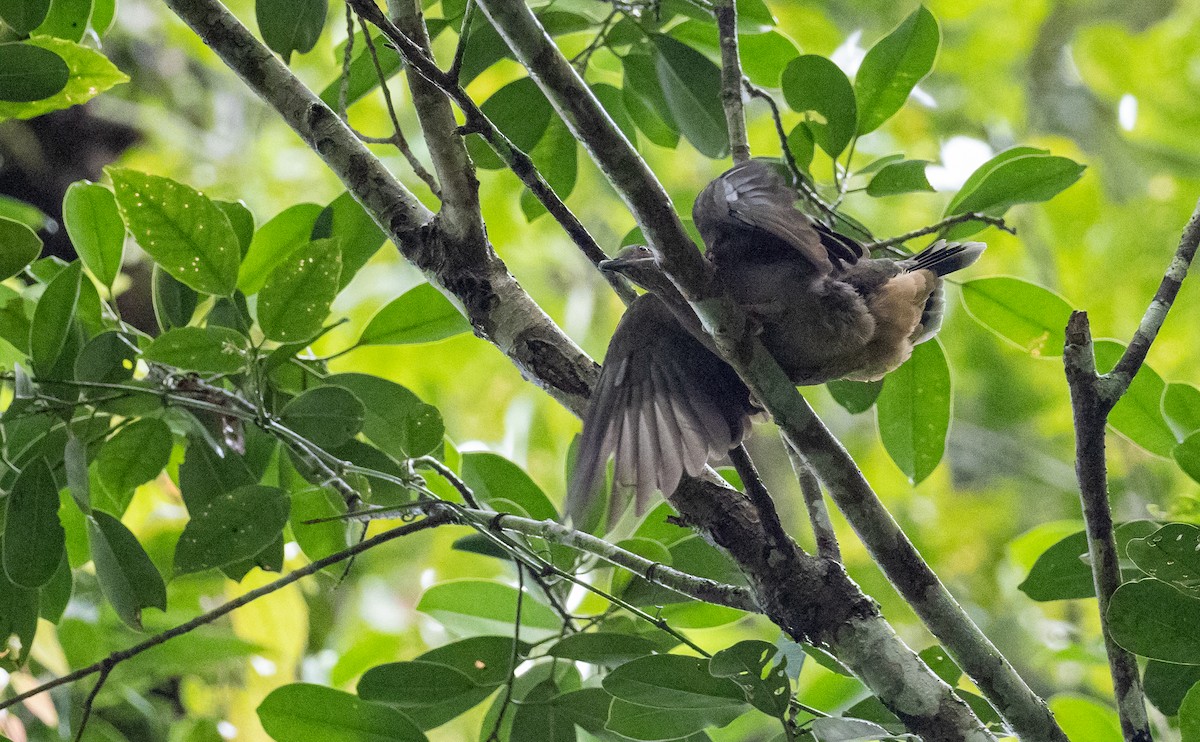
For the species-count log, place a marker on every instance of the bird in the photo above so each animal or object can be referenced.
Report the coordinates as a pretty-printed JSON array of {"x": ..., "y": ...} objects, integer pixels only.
[{"x": 666, "y": 403}]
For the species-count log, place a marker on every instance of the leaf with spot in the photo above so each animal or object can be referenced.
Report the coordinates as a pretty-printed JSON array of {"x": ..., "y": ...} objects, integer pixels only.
[
  {"x": 129, "y": 580},
  {"x": 273, "y": 242},
  {"x": 914, "y": 411},
  {"x": 1171, "y": 554},
  {"x": 206, "y": 350},
  {"x": 231, "y": 528},
  {"x": 294, "y": 303},
  {"x": 1027, "y": 315},
  {"x": 760, "y": 669},
  {"x": 183, "y": 230},
  {"x": 1152, "y": 619}
]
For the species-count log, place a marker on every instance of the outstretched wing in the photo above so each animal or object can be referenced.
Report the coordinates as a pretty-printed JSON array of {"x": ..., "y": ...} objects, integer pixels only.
[
  {"x": 753, "y": 196},
  {"x": 664, "y": 405}
]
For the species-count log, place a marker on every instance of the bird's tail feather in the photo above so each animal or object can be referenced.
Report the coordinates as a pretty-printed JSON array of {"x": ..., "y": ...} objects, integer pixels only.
[{"x": 944, "y": 257}]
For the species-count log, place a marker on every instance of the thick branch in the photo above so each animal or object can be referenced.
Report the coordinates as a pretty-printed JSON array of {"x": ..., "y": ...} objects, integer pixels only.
[
  {"x": 731, "y": 79},
  {"x": 1090, "y": 416},
  {"x": 106, "y": 665},
  {"x": 1117, "y": 381}
]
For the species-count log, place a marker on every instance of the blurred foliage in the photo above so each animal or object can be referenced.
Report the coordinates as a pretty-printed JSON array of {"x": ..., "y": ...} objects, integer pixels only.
[{"x": 156, "y": 522}]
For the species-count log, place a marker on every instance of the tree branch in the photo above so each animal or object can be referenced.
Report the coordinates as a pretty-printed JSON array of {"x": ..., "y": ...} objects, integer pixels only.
[
  {"x": 105, "y": 665},
  {"x": 949, "y": 221},
  {"x": 652, "y": 208},
  {"x": 731, "y": 79},
  {"x": 814, "y": 502}
]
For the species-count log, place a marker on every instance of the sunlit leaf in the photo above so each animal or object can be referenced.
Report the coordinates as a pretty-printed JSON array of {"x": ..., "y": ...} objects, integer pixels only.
[
  {"x": 813, "y": 83},
  {"x": 359, "y": 235},
  {"x": 479, "y": 607},
  {"x": 290, "y": 25},
  {"x": 1031, "y": 317},
  {"x": 274, "y": 241},
  {"x": 855, "y": 396},
  {"x": 302, "y": 712},
  {"x": 914, "y": 411},
  {"x": 420, "y": 315},
  {"x": 1181, "y": 408},
  {"x": 97, "y": 232},
  {"x": 30, "y": 73},
  {"x": 765, "y": 55},
  {"x": 1138, "y": 415},
  {"x": 893, "y": 67},
  {"x": 67, "y": 19},
  {"x": 294, "y": 303}
]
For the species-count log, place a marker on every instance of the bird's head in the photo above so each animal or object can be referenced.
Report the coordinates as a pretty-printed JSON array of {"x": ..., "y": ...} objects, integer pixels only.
[{"x": 639, "y": 264}]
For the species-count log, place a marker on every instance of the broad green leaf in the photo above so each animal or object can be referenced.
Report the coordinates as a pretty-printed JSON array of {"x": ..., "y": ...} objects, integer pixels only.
[
  {"x": 326, "y": 415},
  {"x": 1181, "y": 408},
  {"x": 104, "y": 12},
  {"x": 691, "y": 84},
  {"x": 634, "y": 721},
  {"x": 492, "y": 477},
  {"x": 760, "y": 669},
  {"x": 242, "y": 221},
  {"x": 1167, "y": 683},
  {"x": 1153, "y": 619},
  {"x": 360, "y": 237},
  {"x": 363, "y": 77},
  {"x": 75, "y": 462},
  {"x": 587, "y": 708},
  {"x": 318, "y": 540},
  {"x": 205, "y": 475},
  {"x": 290, "y": 25},
  {"x": 984, "y": 171},
  {"x": 878, "y": 164},
  {"x": 1187, "y": 455},
  {"x": 1085, "y": 719},
  {"x": 206, "y": 350},
  {"x": 672, "y": 681},
  {"x": 802, "y": 145},
  {"x": 855, "y": 396},
  {"x": 19, "y": 246},
  {"x": 274, "y": 241},
  {"x": 536, "y": 718},
  {"x": 184, "y": 231},
  {"x": 431, "y": 693},
  {"x": 914, "y": 411},
  {"x": 840, "y": 729},
  {"x": 942, "y": 664},
  {"x": 613, "y": 101},
  {"x": 174, "y": 303},
  {"x": 90, "y": 75},
  {"x": 893, "y": 67},
  {"x": 1062, "y": 572},
  {"x": 127, "y": 577},
  {"x": 54, "y": 596},
  {"x": 30, "y": 73},
  {"x": 420, "y": 315},
  {"x": 1017, "y": 176},
  {"x": 301, "y": 712},
  {"x": 556, "y": 158},
  {"x": 18, "y": 621},
  {"x": 397, "y": 421},
  {"x": 25, "y": 213},
  {"x": 900, "y": 177},
  {"x": 479, "y": 607},
  {"x": 602, "y": 648},
  {"x": 813, "y": 83},
  {"x": 134, "y": 456},
  {"x": 485, "y": 660},
  {"x": 645, "y": 101},
  {"x": 295, "y": 301},
  {"x": 22, "y": 16},
  {"x": 1138, "y": 415},
  {"x": 754, "y": 18},
  {"x": 1171, "y": 554},
  {"x": 1029, "y": 316},
  {"x": 233, "y": 527},
  {"x": 14, "y": 319},
  {"x": 1189, "y": 716},
  {"x": 34, "y": 540},
  {"x": 53, "y": 318},
  {"x": 68, "y": 19},
  {"x": 765, "y": 55},
  {"x": 97, "y": 232},
  {"x": 521, "y": 112}
]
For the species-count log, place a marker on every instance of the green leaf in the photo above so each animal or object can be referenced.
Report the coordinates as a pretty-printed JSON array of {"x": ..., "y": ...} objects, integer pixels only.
[
  {"x": 984, "y": 171},
  {"x": 34, "y": 540},
  {"x": 1031, "y": 317},
  {"x": 765, "y": 55},
  {"x": 521, "y": 112},
  {"x": 104, "y": 12},
  {"x": 295, "y": 300},
  {"x": 1085, "y": 719},
  {"x": 18, "y": 620},
  {"x": 1181, "y": 408},
  {"x": 840, "y": 729},
  {"x": 75, "y": 462},
  {"x": 1153, "y": 619},
  {"x": 537, "y": 718},
  {"x": 813, "y": 83},
  {"x": 893, "y": 67},
  {"x": 942, "y": 664},
  {"x": 634, "y": 721},
  {"x": 431, "y": 693},
  {"x": 645, "y": 101},
  {"x": 318, "y": 540},
  {"x": 420, "y": 315},
  {"x": 691, "y": 84},
  {"x": 206, "y": 350},
  {"x": 802, "y": 145},
  {"x": 68, "y": 19},
  {"x": 556, "y": 158},
  {"x": 19, "y": 246},
  {"x": 914, "y": 411},
  {"x": 1167, "y": 683},
  {"x": 855, "y": 396},
  {"x": 134, "y": 456},
  {"x": 242, "y": 221},
  {"x": 174, "y": 303},
  {"x": 900, "y": 177},
  {"x": 97, "y": 232},
  {"x": 53, "y": 318},
  {"x": 1017, "y": 176},
  {"x": 479, "y": 607},
  {"x": 22, "y": 16},
  {"x": 1187, "y": 455},
  {"x": 127, "y": 577},
  {"x": 90, "y": 75},
  {"x": 205, "y": 475},
  {"x": 30, "y": 73},
  {"x": 1189, "y": 716},
  {"x": 760, "y": 669},
  {"x": 290, "y": 25},
  {"x": 56, "y": 594},
  {"x": 613, "y": 101},
  {"x": 1138, "y": 415},
  {"x": 326, "y": 415},
  {"x": 25, "y": 213},
  {"x": 231, "y": 528},
  {"x": 494, "y": 478},
  {"x": 605, "y": 648},
  {"x": 397, "y": 421},
  {"x": 184, "y": 231},
  {"x": 1062, "y": 571},
  {"x": 672, "y": 681},
  {"x": 345, "y": 219},
  {"x": 1171, "y": 554},
  {"x": 301, "y": 712},
  {"x": 274, "y": 241}
]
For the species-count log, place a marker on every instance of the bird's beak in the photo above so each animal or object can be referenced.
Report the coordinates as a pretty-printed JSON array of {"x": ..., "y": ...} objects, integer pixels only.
[{"x": 625, "y": 260}]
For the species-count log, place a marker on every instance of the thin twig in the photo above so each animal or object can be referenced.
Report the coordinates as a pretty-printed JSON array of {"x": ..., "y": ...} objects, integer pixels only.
[
  {"x": 434, "y": 519},
  {"x": 761, "y": 498},
  {"x": 91, "y": 700},
  {"x": 949, "y": 221},
  {"x": 581, "y": 59},
  {"x": 468, "y": 495},
  {"x": 814, "y": 501},
  {"x": 512, "y": 662}
]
